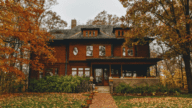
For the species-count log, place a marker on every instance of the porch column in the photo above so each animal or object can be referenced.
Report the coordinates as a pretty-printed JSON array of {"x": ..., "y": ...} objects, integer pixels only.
[
  {"x": 110, "y": 70},
  {"x": 121, "y": 71}
]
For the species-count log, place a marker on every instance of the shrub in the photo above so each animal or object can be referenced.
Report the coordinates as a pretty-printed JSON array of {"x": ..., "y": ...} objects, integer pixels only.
[{"x": 68, "y": 84}]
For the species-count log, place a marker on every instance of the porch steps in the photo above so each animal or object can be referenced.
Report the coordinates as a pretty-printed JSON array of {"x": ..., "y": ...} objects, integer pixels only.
[{"x": 103, "y": 89}]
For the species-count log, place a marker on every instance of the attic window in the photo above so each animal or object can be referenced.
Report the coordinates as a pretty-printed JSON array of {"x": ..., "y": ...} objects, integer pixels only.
[
  {"x": 89, "y": 33},
  {"x": 118, "y": 33},
  {"x": 122, "y": 33}
]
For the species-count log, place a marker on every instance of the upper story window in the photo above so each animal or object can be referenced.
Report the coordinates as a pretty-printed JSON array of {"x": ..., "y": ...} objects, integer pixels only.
[
  {"x": 86, "y": 33},
  {"x": 101, "y": 50},
  {"x": 122, "y": 33},
  {"x": 93, "y": 33},
  {"x": 124, "y": 52},
  {"x": 130, "y": 52},
  {"x": 89, "y": 51}
]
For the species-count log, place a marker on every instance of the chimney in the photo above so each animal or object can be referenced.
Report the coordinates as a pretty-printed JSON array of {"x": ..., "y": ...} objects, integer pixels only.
[{"x": 73, "y": 23}]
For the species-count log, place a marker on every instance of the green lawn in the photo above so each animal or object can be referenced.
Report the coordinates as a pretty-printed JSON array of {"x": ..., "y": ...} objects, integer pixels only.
[
  {"x": 181, "y": 101},
  {"x": 53, "y": 100}
]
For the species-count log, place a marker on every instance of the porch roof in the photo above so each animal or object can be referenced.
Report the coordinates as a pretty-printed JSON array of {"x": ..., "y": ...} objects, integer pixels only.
[{"x": 125, "y": 59}]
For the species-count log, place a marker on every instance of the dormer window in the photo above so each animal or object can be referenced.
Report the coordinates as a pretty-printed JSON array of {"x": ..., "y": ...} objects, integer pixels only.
[
  {"x": 89, "y": 33},
  {"x": 93, "y": 33},
  {"x": 122, "y": 33},
  {"x": 119, "y": 33}
]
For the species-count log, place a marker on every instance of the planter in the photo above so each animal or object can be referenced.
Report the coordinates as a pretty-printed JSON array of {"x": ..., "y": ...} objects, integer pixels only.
[{"x": 89, "y": 101}]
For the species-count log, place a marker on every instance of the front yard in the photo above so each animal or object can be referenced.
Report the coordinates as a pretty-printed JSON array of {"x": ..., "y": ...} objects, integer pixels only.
[
  {"x": 181, "y": 101},
  {"x": 43, "y": 100}
]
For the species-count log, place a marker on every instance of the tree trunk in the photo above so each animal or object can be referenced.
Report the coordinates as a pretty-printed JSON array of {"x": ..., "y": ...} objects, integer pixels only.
[{"x": 186, "y": 59}]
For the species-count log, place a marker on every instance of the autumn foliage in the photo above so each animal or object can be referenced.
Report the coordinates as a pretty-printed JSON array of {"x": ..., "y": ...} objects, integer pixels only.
[{"x": 21, "y": 36}]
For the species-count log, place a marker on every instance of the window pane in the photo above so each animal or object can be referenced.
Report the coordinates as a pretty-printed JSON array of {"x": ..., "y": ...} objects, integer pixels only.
[
  {"x": 90, "y": 33},
  {"x": 93, "y": 33},
  {"x": 87, "y": 73},
  {"x": 87, "y": 68},
  {"x": 89, "y": 51},
  {"x": 56, "y": 71},
  {"x": 86, "y": 33},
  {"x": 74, "y": 68},
  {"x": 118, "y": 33},
  {"x": 130, "y": 52},
  {"x": 80, "y": 73},
  {"x": 124, "y": 53},
  {"x": 74, "y": 73},
  {"x": 101, "y": 50},
  {"x": 80, "y": 68}
]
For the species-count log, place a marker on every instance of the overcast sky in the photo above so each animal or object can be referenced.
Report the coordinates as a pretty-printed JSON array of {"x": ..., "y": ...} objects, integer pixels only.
[{"x": 83, "y": 10}]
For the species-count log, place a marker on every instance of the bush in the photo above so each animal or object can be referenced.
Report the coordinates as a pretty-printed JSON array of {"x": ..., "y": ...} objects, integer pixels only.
[
  {"x": 126, "y": 88},
  {"x": 68, "y": 84}
]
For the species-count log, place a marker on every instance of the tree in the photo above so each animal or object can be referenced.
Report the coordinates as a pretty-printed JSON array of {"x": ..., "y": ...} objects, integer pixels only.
[
  {"x": 21, "y": 33},
  {"x": 104, "y": 19},
  {"x": 168, "y": 21}
]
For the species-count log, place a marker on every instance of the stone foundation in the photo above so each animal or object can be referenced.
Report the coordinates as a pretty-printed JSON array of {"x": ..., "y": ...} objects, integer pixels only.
[{"x": 133, "y": 82}]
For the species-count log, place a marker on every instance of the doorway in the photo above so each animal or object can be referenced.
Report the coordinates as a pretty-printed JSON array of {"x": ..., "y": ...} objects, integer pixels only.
[{"x": 101, "y": 75}]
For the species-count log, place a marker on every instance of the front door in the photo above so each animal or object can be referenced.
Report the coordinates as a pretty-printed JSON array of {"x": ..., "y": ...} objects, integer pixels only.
[
  {"x": 98, "y": 76},
  {"x": 101, "y": 76}
]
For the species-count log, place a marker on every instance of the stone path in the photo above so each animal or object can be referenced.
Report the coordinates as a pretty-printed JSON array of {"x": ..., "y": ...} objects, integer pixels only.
[{"x": 103, "y": 100}]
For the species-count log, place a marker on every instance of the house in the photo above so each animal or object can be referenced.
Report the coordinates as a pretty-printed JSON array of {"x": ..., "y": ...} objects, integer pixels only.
[{"x": 97, "y": 51}]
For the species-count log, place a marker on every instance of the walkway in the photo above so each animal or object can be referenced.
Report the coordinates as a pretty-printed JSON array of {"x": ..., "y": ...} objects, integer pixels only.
[{"x": 103, "y": 100}]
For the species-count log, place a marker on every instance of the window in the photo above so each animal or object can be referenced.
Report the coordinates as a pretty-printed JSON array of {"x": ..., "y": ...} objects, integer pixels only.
[
  {"x": 74, "y": 71},
  {"x": 130, "y": 52},
  {"x": 128, "y": 73},
  {"x": 87, "y": 72},
  {"x": 122, "y": 33},
  {"x": 49, "y": 72},
  {"x": 101, "y": 50},
  {"x": 56, "y": 71},
  {"x": 80, "y": 72},
  {"x": 86, "y": 33},
  {"x": 118, "y": 33},
  {"x": 89, "y": 33},
  {"x": 93, "y": 33},
  {"x": 124, "y": 53},
  {"x": 89, "y": 50},
  {"x": 40, "y": 74}
]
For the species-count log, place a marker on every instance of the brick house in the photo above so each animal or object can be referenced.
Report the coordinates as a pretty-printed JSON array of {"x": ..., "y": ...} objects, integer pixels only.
[{"x": 97, "y": 51}]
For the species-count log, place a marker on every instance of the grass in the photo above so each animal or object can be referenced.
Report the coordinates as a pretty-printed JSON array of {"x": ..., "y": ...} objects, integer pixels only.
[
  {"x": 44, "y": 100},
  {"x": 180, "y": 101}
]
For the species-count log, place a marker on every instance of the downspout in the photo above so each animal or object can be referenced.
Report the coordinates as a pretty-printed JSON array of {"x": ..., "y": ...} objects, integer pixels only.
[{"x": 66, "y": 60}]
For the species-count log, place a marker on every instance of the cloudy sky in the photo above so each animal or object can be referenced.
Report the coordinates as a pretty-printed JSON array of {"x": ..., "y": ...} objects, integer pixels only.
[{"x": 83, "y": 10}]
